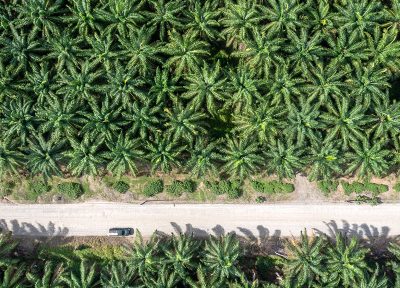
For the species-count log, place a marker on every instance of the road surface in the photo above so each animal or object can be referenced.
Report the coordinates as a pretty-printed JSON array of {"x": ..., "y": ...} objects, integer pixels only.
[{"x": 90, "y": 219}]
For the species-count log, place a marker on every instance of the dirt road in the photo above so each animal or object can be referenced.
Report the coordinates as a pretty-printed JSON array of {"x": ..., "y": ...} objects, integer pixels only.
[{"x": 251, "y": 220}]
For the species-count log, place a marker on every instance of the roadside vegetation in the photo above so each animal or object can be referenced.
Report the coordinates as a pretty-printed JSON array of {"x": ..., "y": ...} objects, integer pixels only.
[
  {"x": 218, "y": 262},
  {"x": 228, "y": 88}
]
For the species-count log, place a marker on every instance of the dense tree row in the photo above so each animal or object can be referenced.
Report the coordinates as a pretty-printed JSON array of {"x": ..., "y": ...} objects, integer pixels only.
[
  {"x": 182, "y": 261},
  {"x": 234, "y": 87}
]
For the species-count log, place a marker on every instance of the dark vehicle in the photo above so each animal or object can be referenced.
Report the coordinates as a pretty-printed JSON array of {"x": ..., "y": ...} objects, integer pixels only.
[{"x": 120, "y": 232}]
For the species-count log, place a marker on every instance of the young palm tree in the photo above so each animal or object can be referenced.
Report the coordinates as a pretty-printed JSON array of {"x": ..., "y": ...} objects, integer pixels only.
[
  {"x": 84, "y": 278},
  {"x": 265, "y": 122},
  {"x": 41, "y": 16},
  {"x": 41, "y": 80},
  {"x": 164, "y": 88},
  {"x": 182, "y": 255},
  {"x": 165, "y": 15},
  {"x": 103, "y": 121},
  {"x": 283, "y": 15},
  {"x": 261, "y": 52},
  {"x": 203, "y": 157},
  {"x": 143, "y": 257},
  {"x": 13, "y": 277},
  {"x": 359, "y": 15},
  {"x": 164, "y": 279},
  {"x": 18, "y": 119},
  {"x": 206, "y": 86},
  {"x": 203, "y": 18},
  {"x": 122, "y": 154},
  {"x": 10, "y": 158},
  {"x": 59, "y": 118},
  {"x": 164, "y": 153},
  {"x": 241, "y": 157},
  {"x": 82, "y": 17},
  {"x": 203, "y": 280},
  {"x": 7, "y": 248},
  {"x": 85, "y": 157},
  {"x": 51, "y": 277},
  {"x": 240, "y": 17},
  {"x": 118, "y": 275},
  {"x": 221, "y": 257},
  {"x": 284, "y": 159},
  {"x": 101, "y": 50},
  {"x": 138, "y": 48},
  {"x": 10, "y": 84},
  {"x": 325, "y": 160},
  {"x": 320, "y": 16},
  {"x": 185, "y": 51},
  {"x": 184, "y": 123},
  {"x": 346, "y": 121},
  {"x": 143, "y": 119},
  {"x": 346, "y": 261},
  {"x": 386, "y": 123},
  {"x": 43, "y": 157},
  {"x": 373, "y": 281},
  {"x": 368, "y": 160},
  {"x": 303, "y": 263},
  {"x": 121, "y": 16}
]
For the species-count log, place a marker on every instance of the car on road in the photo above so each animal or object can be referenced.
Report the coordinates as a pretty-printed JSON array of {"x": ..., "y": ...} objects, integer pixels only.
[{"x": 120, "y": 231}]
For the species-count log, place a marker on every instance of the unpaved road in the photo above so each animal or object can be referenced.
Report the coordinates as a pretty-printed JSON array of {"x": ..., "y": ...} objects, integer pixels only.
[{"x": 251, "y": 220}]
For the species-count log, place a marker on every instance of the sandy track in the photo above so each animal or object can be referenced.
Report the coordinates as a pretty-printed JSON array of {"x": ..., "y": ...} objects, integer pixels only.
[{"x": 94, "y": 219}]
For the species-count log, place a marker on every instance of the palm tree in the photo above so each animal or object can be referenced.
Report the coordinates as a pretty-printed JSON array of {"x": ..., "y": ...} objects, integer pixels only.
[
  {"x": 18, "y": 119},
  {"x": 321, "y": 17},
  {"x": 261, "y": 52},
  {"x": 359, "y": 15},
  {"x": 165, "y": 279},
  {"x": 184, "y": 123},
  {"x": 164, "y": 153},
  {"x": 325, "y": 160},
  {"x": 265, "y": 122},
  {"x": 44, "y": 156},
  {"x": 303, "y": 123},
  {"x": 7, "y": 248},
  {"x": 203, "y": 157},
  {"x": 394, "y": 249},
  {"x": 143, "y": 256},
  {"x": 368, "y": 160},
  {"x": 103, "y": 121},
  {"x": 206, "y": 86},
  {"x": 101, "y": 50},
  {"x": 373, "y": 281},
  {"x": 386, "y": 123},
  {"x": 82, "y": 17},
  {"x": 122, "y": 154},
  {"x": 121, "y": 16},
  {"x": 284, "y": 159},
  {"x": 244, "y": 88},
  {"x": 13, "y": 277},
  {"x": 185, "y": 51},
  {"x": 204, "y": 280},
  {"x": 239, "y": 18},
  {"x": 41, "y": 80},
  {"x": 42, "y": 15},
  {"x": 138, "y": 48},
  {"x": 51, "y": 276},
  {"x": 143, "y": 118},
  {"x": 11, "y": 159},
  {"x": 165, "y": 15},
  {"x": 345, "y": 261},
  {"x": 164, "y": 88},
  {"x": 85, "y": 278},
  {"x": 182, "y": 255},
  {"x": 85, "y": 157},
  {"x": 118, "y": 275},
  {"x": 244, "y": 283},
  {"x": 283, "y": 15},
  {"x": 10, "y": 84},
  {"x": 241, "y": 157},
  {"x": 346, "y": 121},
  {"x": 303, "y": 263},
  {"x": 59, "y": 118},
  {"x": 203, "y": 18},
  {"x": 221, "y": 257}
]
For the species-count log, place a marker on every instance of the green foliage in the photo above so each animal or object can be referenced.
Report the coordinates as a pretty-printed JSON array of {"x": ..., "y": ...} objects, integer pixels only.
[
  {"x": 153, "y": 187},
  {"x": 73, "y": 190},
  {"x": 232, "y": 88},
  {"x": 260, "y": 199},
  {"x": 37, "y": 188},
  {"x": 328, "y": 186},
  {"x": 272, "y": 187},
  {"x": 358, "y": 188},
  {"x": 120, "y": 186},
  {"x": 6, "y": 188},
  {"x": 177, "y": 188},
  {"x": 396, "y": 187},
  {"x": 230, "y": 188}
]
